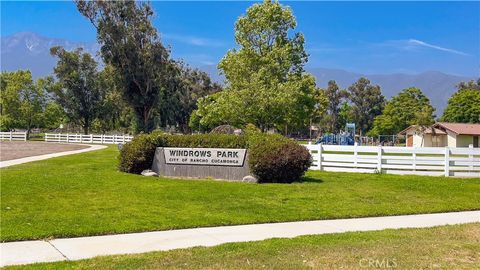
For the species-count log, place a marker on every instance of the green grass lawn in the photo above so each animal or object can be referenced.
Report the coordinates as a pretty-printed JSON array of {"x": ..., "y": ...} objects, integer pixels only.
[
  {"x": 84, "y": 194},
  {"x": 447, "y": 247}
]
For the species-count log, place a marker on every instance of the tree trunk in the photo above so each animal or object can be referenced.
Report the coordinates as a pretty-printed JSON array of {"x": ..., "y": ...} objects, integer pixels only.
[{"x": 86, "y": 126}]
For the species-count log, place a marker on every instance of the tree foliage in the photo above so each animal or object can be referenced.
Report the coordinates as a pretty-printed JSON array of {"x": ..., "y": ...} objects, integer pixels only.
[
  {"x": 78, "y": 89},
  {"x": 321, "y": 101},
  {"x": 131, "y": 45},
  {"x": 367, "y": 103},
  {"x": 185, "y": 86},
  {"x": 345, "y": 115},
  {"x": 265, "y": 80},
  {"x": 409, "y": 107},
  {"x": 472, "y": 84},
  {"x": 22, "y": 101},
  {"x": 334, "y": 95},
  {"x": 464, "y": 105}
]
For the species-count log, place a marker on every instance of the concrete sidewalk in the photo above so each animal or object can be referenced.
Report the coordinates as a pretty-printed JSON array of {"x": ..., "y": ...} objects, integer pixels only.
[
  {"x": 25, "y": 252},
  {"x": 92, "y": 147}
]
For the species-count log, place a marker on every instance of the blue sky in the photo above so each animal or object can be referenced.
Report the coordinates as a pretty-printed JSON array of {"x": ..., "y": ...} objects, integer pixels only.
[{"x": 365, "y": 37}]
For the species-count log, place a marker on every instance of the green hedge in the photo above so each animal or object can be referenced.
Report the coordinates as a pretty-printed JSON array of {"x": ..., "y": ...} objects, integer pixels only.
[{"x": 272, "y": 157}]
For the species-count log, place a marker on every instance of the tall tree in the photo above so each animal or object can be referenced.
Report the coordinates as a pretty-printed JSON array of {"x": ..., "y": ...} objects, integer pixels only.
[
  {"x": 22, "y": 101},
  {"x": 184, "y": 87},
  {"x": 463, "y": 106},
  {"x": 345, "y": 115},
  {"x": 78, "y": 89},
  {"x": 115, "y": 113},
  {"x": 265, "y": 80},
  {"x": 367, "y": 102},
  {"x": 409, "y": 107},
  {"x": 11, "y": 83},
  {"x": 321, "y": 106},
  {"x": 335, "y": 96},
  {"x": 132, "y": 46},
  {"x": 53, "y": 115},
  {"x": 472, "y": 84}
]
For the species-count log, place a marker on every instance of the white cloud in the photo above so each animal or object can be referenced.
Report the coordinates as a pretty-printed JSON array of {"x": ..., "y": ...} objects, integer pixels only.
[
  {"x": 416, "y": 42},
  {"x": 193, "y": 40}
]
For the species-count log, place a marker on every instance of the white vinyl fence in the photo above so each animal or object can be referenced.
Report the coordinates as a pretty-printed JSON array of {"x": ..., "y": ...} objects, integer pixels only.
[
  {"x": 90, "y": 138},
  {"x": 13, "y": 136},
  {"x": 435, "y": 161}
]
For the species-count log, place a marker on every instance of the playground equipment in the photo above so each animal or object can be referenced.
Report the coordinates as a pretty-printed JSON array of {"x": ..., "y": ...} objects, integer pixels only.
[
  {"x": 346, "y": 137},
  {"x": 389, "y": 140}
]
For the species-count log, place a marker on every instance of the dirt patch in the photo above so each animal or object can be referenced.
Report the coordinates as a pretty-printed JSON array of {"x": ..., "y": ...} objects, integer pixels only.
[{"x": 15, "y": 150}]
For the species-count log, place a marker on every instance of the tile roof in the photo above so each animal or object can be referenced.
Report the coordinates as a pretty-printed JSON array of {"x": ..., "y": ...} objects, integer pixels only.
[
  {"x": 428, "y": 130},
  {"x": 460, "y": 128}
]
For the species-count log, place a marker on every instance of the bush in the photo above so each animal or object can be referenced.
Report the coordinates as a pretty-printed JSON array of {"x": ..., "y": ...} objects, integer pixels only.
[
  {"x": 204, "y": 141},
  {"x": 272, "y": 157},
  {"x": 278, "y": 160},
  {"x": 138, "y": 154}
]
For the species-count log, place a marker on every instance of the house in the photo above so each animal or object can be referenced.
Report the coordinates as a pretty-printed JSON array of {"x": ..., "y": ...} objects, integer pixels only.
[{"x": 442, "y": 134}]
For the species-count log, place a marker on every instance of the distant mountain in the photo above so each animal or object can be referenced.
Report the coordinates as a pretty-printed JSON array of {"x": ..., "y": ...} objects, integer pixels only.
[
  {"x": 31, "y": 51},
  {"x": 436, "y": 85}
]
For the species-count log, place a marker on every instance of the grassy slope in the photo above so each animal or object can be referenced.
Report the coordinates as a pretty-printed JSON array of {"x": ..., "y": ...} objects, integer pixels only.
[
  {"x": 83, "y": 194},
  {"x": 447, "y": 247}
]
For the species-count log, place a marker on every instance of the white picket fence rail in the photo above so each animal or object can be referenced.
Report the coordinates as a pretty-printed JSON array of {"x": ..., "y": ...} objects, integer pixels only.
[
  {"x": 435, "y": 161},
  {"x": 90, "y": 138},
  {"x": 13, "y": 136}
]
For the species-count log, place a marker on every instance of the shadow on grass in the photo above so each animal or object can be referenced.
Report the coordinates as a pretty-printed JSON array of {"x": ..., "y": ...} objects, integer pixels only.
[{"x": 309, "y": 179}]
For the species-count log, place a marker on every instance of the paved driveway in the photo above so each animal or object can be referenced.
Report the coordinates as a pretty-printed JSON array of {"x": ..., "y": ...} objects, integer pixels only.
[{"x": 16, "y": 150}]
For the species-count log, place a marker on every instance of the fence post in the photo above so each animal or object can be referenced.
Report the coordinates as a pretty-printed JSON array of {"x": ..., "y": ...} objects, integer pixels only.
[
  {"x": 10, "y": 135},
  {"x": 470, "y": 156},
  {"x": 414, "y": 156},
  {"x": 25, "y": 136},
  {"x": 91, "y": 138},
  {"x": 355, "y": 154},
  {"x": 447, "y": 161},
  {"x": 67, "y": 138},
  {"x": 123, "y": 139},
  {"x": 379, "y": 159},
  {"x": 319, "y": 156},
  {"x": 101, "y": 138}
]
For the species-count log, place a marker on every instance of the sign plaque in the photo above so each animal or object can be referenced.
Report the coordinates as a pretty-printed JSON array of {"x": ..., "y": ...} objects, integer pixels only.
[
  {"x": 205, "y": 156},
  {"x": 201, "y": 163}
]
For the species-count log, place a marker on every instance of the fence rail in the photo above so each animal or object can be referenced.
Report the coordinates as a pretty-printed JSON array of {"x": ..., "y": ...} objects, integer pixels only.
[
  {"x": 13, "y": 136},
  {"x": 435, "y": 161},
  {"x": 90, "y": 138}
]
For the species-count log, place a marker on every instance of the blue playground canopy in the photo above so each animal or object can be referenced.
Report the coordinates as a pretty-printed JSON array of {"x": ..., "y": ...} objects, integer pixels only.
[{"x": 344, "y": 138}]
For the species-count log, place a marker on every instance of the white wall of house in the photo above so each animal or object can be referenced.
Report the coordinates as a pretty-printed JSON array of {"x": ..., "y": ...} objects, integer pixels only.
[
  {"x": 417, "y": 140},
  {"x": 429, "y": 140},
  {"x": 464, "y": 140},
  {"x": 451, "y": 139},
  {"x": 439, "y": 140}
]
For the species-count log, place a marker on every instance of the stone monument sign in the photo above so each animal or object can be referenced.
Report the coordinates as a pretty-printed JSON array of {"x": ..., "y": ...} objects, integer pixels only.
[{"x": 218, "y": 163}]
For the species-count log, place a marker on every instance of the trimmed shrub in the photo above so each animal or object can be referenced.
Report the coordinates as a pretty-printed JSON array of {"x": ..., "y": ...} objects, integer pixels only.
[
  {"x": 205, "y": 141},
  {"x": 278, "y": 160},
  {"x": 138, "y": 154},
  {"x": 272, "y": 157}
]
